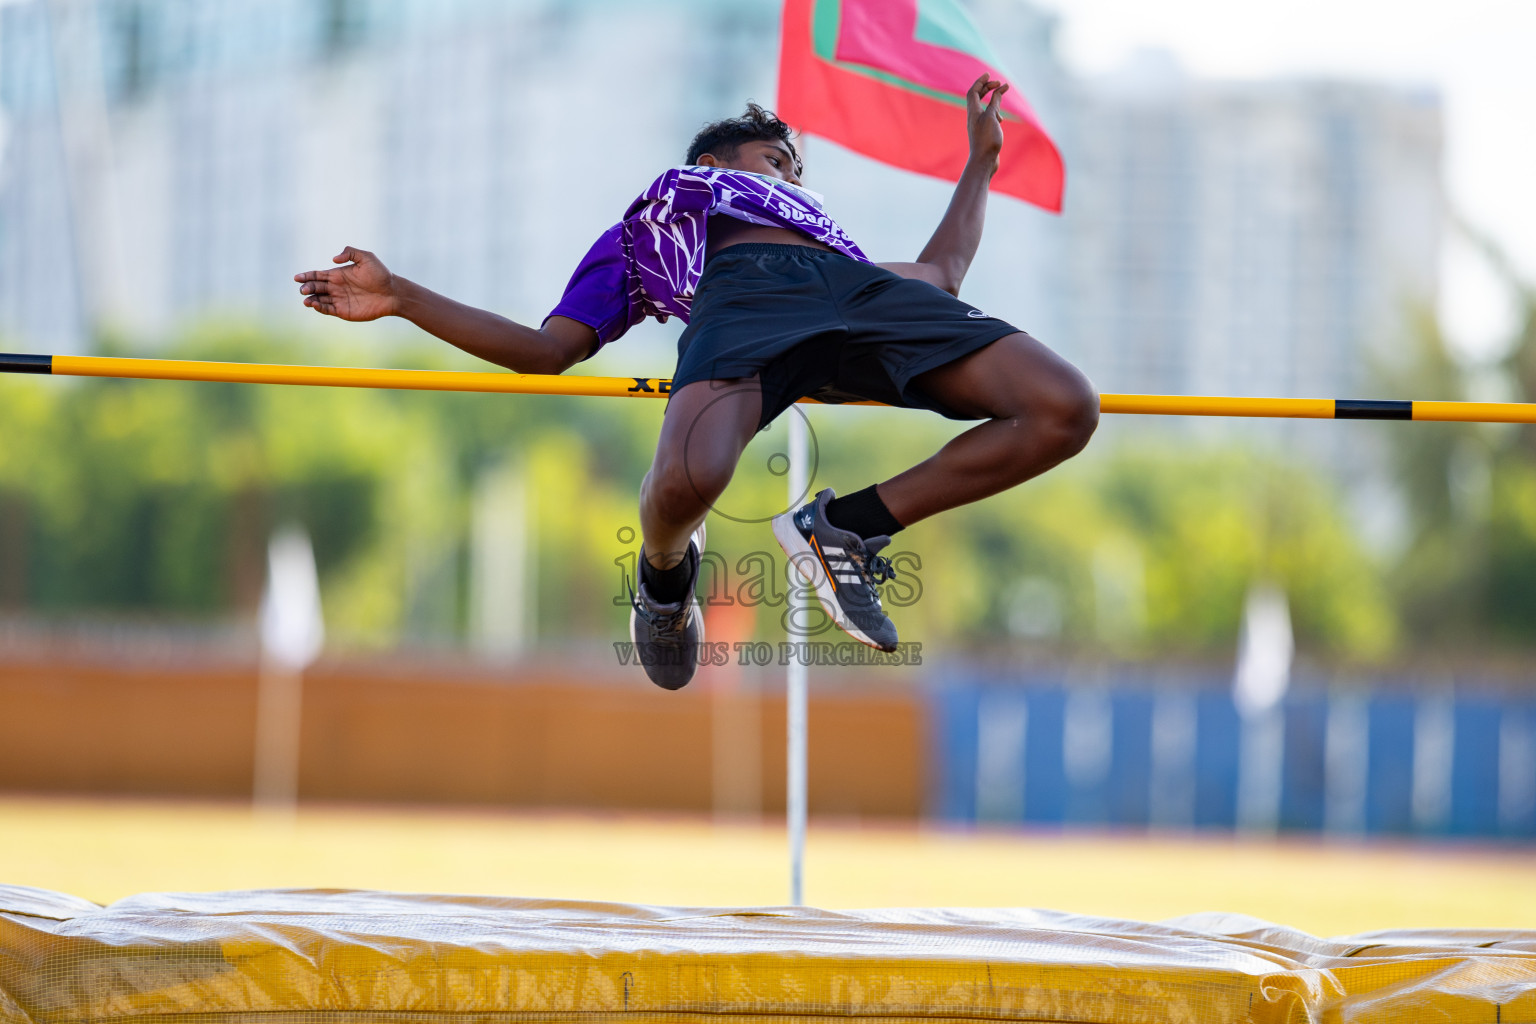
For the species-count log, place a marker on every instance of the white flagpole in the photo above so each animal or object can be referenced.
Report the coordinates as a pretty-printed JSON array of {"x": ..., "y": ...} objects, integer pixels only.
[
  {"x": 292, "y": 633},
  {"x": 1265, "y": 650},
  {"x": 795, "y": 802}
]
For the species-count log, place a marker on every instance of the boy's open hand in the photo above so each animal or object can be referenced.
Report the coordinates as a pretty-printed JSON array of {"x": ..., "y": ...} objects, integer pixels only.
[
  {"x": 361, "y": 290},
  {"x": 984, "y": 119}
]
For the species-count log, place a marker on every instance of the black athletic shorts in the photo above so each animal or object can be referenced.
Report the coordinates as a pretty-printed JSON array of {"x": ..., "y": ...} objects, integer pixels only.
[{"x": 815, "y": 322}]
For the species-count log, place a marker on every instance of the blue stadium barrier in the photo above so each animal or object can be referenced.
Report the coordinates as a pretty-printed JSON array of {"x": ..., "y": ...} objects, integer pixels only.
[
  {"x": 1045, "y": 778},
  {"x": 1474, "y": 805},
  {"x": 1117, "y": 747},
  {"x": 1304, "y": 785},
  {"x": 1389, "y": 765},
  {"x": 1218, "y": 738}
]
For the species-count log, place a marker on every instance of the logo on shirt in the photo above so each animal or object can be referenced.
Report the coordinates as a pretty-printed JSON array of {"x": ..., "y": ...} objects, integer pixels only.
[{"x": 976, "y": 314}]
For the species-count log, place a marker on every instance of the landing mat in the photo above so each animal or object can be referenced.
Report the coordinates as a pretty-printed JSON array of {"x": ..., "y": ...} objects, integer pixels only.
[{"x": 320, "y": 956}]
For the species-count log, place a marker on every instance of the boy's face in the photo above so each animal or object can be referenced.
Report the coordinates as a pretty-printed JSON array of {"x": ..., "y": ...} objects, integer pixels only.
[{"x": 765, "y": 156}]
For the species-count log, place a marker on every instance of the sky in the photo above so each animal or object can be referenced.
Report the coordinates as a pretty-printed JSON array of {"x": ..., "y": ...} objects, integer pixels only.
[{"x": 1479, "y": 54}]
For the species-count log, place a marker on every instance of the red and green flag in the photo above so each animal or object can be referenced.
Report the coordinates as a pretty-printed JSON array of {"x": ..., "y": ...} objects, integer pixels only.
[{"x": 887, "y": 78}]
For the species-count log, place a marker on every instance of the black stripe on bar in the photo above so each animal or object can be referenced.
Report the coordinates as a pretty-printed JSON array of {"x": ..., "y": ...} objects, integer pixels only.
[
  {"x": 1357, "y": 409},
  {"x": 21, "y": 362}
]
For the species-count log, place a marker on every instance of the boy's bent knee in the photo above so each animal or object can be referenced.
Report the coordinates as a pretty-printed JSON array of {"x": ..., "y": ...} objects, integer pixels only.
[
  {"x": 674, "y": 495},
  {"x": 1075, "y": 416},
  {"x": 1064, "y": 416}
]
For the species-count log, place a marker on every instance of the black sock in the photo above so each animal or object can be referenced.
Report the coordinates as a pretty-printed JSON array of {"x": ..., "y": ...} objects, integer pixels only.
[
  {"x": 669, "y": 586},
  {"x": 863, "y": 513}
]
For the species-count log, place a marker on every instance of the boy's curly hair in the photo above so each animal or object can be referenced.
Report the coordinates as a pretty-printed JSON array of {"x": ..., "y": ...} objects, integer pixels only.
[{"x": 723, "y": 137}]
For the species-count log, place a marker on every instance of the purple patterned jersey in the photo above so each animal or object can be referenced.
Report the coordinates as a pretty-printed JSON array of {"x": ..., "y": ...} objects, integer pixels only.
[{"x": 649, "y": 264}]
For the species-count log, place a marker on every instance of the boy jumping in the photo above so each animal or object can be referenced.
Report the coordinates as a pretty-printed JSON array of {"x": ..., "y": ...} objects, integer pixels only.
[{"x": 780, "y": 304}]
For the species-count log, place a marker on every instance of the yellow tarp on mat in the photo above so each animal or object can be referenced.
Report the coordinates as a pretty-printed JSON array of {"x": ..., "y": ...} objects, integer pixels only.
[{"x": 319, "y": 956}]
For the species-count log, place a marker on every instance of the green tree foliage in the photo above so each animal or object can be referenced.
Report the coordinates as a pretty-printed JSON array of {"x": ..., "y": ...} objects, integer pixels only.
[
  {"x": 1152, "y": 548},
  {"x": 140, "y": 498},
  {"x": 1133, "y": 548},
  {"x": 1465, "y": 580}
]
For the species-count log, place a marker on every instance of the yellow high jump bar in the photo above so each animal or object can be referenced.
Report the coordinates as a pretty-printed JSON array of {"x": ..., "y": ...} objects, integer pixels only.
[{"x": 660, "y": 387}]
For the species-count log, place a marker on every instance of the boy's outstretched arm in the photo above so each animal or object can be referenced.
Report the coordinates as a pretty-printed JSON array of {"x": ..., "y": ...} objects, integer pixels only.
[
  {"x": 948, "y": 254},
  {"x": 364, "y": 289}
]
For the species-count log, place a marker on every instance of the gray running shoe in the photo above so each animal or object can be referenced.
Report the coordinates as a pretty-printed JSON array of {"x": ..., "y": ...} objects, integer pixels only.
[
  {"x": 843, "y": 568},
  {"x": 667, "y": 636}
]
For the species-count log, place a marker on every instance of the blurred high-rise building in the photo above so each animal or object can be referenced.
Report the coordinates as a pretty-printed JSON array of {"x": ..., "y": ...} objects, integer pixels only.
[
  {"x": 168, "y": 160},
  {"x": 1248, "y": 237},
  {"x": 171, "y": 160}
]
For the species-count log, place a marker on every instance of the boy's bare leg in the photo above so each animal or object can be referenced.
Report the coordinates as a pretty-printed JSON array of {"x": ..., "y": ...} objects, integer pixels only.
[
  {"x": 708, "y": 425},
  {"x": 1040, "y": 411}
]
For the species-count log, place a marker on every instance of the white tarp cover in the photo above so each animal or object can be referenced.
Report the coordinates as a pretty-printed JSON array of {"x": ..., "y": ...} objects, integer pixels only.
[{"x": 284, "y": 956}]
